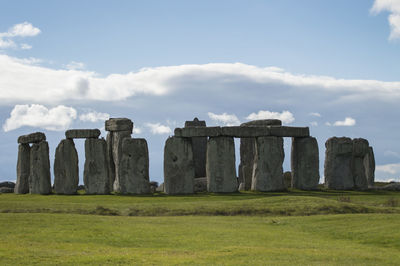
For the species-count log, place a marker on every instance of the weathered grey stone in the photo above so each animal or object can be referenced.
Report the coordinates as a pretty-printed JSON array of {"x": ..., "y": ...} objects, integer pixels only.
[
  {"x": 178, "y": 166},
  {"x": 32, "y": 138},
  {"x": 287, "y": 179},
  {"x": 189, "y": 132},
  {"x": 241, "y": 187},
  {"x": 369, "y": 165},
  {"x": 39, "y": 174},
  {"x": 82, "y": 133},
  {"x": 134, "y": 167},
  {"x": 220, "y": 167},
  {"x": 200, "y": 184},
  {"x": 6, "y": 190},
  {"x": 66, "y": 169},
  {"x": 199, "y": 146},
  {"x": 8, "y": 184},
  {"x": 110, "y": 159},
  {"x": 23, "y": 169},
  {"x": 360, "y": 150},
  {"x": 268, "y": 159},
  {"x": 263, "y": 122},
  {"x": 153, "y": 186},
  {"x": 305, "y": 163},
  {"x": 119, "y": 124},
  {"x": 95, "y": 174},
  {"x": 160, "y": 188},
  {"x": 247, "y": 152},
  {"x": 117, "y": 138},
  {"x": 338, "y": 163}
]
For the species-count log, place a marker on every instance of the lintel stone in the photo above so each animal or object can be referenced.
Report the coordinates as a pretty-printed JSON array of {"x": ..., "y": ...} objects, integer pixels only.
[
  {"x": 119, "y": 124},
  {"x": 32, "y": 138},
  {"x": 82, "y": 133}
]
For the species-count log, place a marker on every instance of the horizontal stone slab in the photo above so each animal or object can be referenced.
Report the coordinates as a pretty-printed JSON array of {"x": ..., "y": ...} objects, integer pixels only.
[
  {"x": 243, "y": 131},
  {"x": 119, "y": 124},
  {"x": 82, "y": 133},
  {"x": 263, "y": 122},
  {"x": 32, "y": 138}
]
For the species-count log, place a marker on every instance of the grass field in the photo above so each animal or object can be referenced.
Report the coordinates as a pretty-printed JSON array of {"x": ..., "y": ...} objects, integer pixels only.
[{"x": 313, "y": 228}]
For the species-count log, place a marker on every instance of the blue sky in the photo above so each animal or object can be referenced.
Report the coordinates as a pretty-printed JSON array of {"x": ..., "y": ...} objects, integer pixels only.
[{"x": 329, "y": 65}]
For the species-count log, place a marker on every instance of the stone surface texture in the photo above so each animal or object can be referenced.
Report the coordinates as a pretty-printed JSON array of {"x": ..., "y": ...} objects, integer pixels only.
[
  {"x": 32, "y": 138},
  {"x": 82, "y": 133},
  {"x": 369, "y": 164},
  {"x": 66, "y": 169},
  {"x": 178, "y": 166},
  {"x": 119, "y": 124},
  {"x": 263, "y": 122},
  {"x": 134, "y": 167},
  {"x": 360, "y": 150},
  {"x": 23, "y": 169},
  {"x": 338, "y": 163},
  {"x": 117, "y": 138},
  {"x": 200, "y": 184},
  {"x": 287, "y": 179},
  {"x": 220, "y": 167},
  {"x": 305, "y": 163},
  {"x": 199, "y": 146},
  {"x": 268, "y": 159},
  {"x": 110, "y": 159},
  {"x": 39, "y": 174},
  {"x": 95, "y": 174}
]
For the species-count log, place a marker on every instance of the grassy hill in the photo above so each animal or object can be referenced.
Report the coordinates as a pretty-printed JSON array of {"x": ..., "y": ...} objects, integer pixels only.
[{"x": 295, "y": 227}]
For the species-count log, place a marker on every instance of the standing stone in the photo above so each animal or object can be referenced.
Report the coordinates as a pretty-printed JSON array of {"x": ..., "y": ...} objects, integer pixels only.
[
  {"x": 199, "y": 146},
  {"x": 338, "y": 163},
  {"x": 247, "y": 151},
  {"x": 268, "y": 160},
  {"x": 39, "y": 176},
  {"x": 134, "y": 167},
  {"x": 220, "y": 167},
  {"x": 117, "y": 138},
  {"x": 369, "y": 164},
  {"x": 305, "y": 163},
  {"x": 23, "y": 169},
  {"x": 178, "y": 166},
  {"x": 95, "y": 174},
  {"x": 66, "y": 169},
  {"x": 360, "y": 150},
  {"x": 110, "y": 159}
]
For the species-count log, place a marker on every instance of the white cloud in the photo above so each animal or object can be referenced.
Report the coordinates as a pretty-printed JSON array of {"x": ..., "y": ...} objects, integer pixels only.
[
  {"x": 226, "y": 119},
  {"x": 347, "y": 122},
  {"x": 392, "y": 154},
  {"x": 73, "y": 65},
  {"x": 25, "y": 46},
  {"x": 392, "y": 169},
  {"x": 24, "y": 29},
  {"x": 4, "y": 44},
  {"x": 286, "y": 116},
  {"x": 315, "y": 114},
  {"x": 56, "y": 119},
  {"x": 158, "y": 129},
  {"x": 393, "y": 7},
  {"x": 94, "y": 117},
  {"x": 314, "y": 123},
  {"x": 136, "y": 130}
]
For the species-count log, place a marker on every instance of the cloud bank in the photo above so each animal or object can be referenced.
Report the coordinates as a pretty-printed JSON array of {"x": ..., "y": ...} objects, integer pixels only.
[{"x": 393, "y": 7}]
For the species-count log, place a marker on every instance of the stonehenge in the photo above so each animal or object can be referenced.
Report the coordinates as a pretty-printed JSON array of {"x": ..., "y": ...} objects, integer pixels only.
[{"x": 197, "y": 158}]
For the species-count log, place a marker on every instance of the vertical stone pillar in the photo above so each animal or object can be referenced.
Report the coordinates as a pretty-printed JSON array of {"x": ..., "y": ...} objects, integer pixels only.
[
  {"x": 95, "y": 174},
  {"x": 134, "y": 167},
  {"x": 66, "y": 169},
  {"x": 178, "y": 166},
  {"x": 23, "y": 169},
  {"x": 199, "y": 146},
  {"x": 39, "y": 176},
  {"x": 338, "y": 163},
  {"x": 268, "y": 160},
  {"x": 110, "y": 159},
  {"x": 360, "y": 150},
  {"x": 247, "y": 152},
  {"x": 220, "y": 167},
  {"x": 369, "y": 164},
  {"x": 117, "y": 138},
  {"x": 305, "y": 163}
]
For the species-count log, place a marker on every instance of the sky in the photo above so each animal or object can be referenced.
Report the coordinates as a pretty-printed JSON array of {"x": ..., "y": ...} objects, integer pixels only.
[{"x": 330, "y": 65}]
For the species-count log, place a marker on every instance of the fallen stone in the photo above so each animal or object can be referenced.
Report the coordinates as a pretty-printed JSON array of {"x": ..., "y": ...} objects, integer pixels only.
[
  {"x": 263, "y": 122},
  {"x": 247, "y": 152},
  {"x": 338, "y": 163},
  {"x": 39, "y": 174},
  {"x": 360, "y": 150},
  {"x": 268, "y": 160},
  {"x": 369, "y": 165},
  {"x": 119, "y": 124},
  {"x": 220, "y": 167},
  {"x": 305, "y": 163},
  {"x": 95, "y": 174},
  {"x": 287, "y": 179},
  {"x": 117, "y": 138},
  {"x": 23, "y": 169},
  {"x": 6, "y": 190},
  {"x": 134, "y": 167},
  {"x": 391, "y": 187},
  {"x": 200, "y": 184},
  {"x": 178, "y": 166},
  {"x": 199, "y": 146},
  {"x": 32, "y": 138},
  {"x": 66, "y": 169},
  {"x": 7, "y": 184},
  {"x": 82, "y": 133}
]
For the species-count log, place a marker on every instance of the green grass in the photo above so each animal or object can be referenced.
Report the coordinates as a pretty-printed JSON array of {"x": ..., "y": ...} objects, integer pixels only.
[{"x": 292, "y": 228}]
